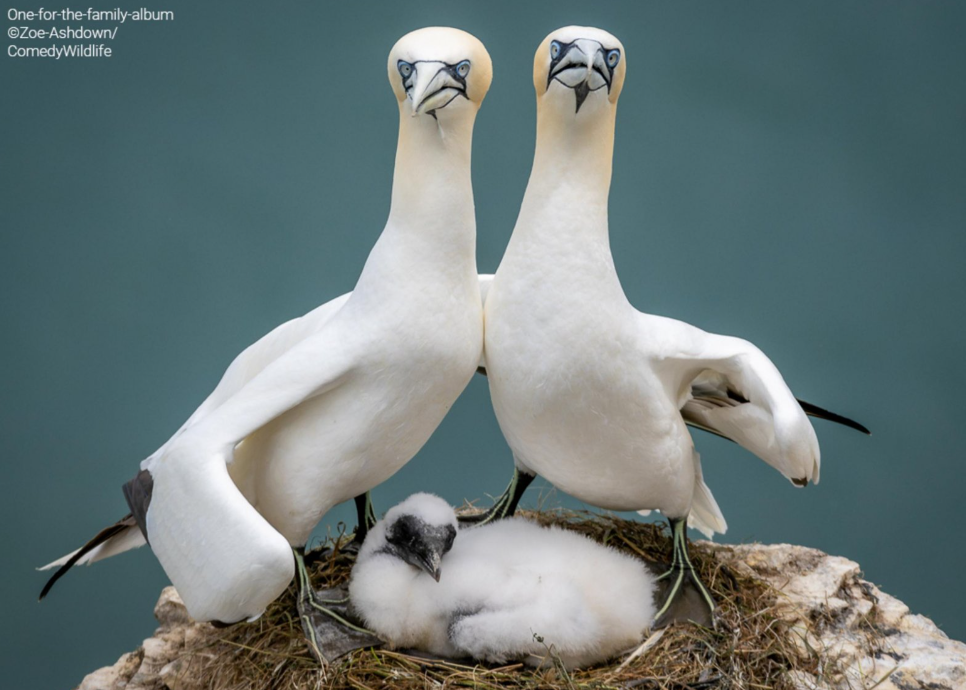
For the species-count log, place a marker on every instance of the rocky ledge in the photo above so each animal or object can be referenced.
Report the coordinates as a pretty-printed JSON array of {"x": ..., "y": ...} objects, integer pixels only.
[{"x": 862, "y": 637}]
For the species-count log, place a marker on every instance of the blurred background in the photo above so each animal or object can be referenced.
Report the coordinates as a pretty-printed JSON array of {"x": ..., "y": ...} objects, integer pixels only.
[{"x": 792, "y": 174}]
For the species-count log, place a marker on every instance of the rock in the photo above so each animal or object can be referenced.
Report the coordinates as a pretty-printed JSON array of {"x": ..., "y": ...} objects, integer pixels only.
[
  {"x": 170, "y": 610},
  {"x": 157, "y": 663},
  {"x": 862, "y": 637},
  {"x": 865, "y": 637},
  {"x": 116, "y": 676}
]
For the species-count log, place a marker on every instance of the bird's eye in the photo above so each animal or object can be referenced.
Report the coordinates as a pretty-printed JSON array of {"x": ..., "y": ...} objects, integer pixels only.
[
  {"x": 405, "y": 69},
  {"x": 463, "y": 69},
  {"x": 554, "y": 50},
  {"x": 613, "y": 57}
]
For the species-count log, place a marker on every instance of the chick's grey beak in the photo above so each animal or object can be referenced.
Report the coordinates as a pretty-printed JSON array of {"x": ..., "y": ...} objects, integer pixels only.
[{"x": 431, "y": 563}]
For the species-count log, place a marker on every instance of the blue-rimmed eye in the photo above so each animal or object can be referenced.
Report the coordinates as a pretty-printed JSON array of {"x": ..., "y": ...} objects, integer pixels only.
[
  {"x": 405, "y": 69},
  {"x": 463, "y": 68},
  {"x": 613, "y": 57},
  {"x": 554, "y": 50}
]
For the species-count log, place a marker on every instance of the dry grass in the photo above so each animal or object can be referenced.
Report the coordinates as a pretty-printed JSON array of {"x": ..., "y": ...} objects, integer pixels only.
[{"x": 750, "y": 648}]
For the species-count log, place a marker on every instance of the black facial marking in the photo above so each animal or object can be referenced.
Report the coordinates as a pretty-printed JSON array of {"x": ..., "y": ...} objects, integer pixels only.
[
  {"x": 454, "y": 71},
  {"x": 581, "y": 90},
  {"x": 449, "y": 538},
  {"x": 404, "y": 531},
  {"x": 407, "y": 70},
  {"x": 416, "y": 542},
  {"x": 458, "y": 71},
  {"x": 560, "y": 51}
]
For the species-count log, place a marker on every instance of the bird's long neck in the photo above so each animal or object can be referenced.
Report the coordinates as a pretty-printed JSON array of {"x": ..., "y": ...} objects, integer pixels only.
[
  {"x": 563, "y": 218},
  {"x": 431, "y": 231}
]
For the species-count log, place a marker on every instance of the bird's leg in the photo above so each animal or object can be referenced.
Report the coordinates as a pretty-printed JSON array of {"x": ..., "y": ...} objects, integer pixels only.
[
  {"x": 506, "y": 504},
  {"x": 326, "y": 621},
  {"x": 685, "y": 596},
  {"x": 365, "y": 521}
]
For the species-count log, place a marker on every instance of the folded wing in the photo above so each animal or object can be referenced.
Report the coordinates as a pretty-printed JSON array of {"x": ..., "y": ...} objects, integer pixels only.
[
  {"x": 227, "y": 562},
  {"x": 730, "y": 388}
]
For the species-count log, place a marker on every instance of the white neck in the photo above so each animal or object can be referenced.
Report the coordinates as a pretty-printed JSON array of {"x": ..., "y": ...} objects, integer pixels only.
[
  {"x": 563, "y": 218},
  {"x": 431, "y": 231},
  {"x": 570, "y": 180}
]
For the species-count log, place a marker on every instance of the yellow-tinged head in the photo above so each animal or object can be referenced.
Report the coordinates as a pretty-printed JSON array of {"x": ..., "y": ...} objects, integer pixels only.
[
  {"x": 579, "y": 69},
  {"x": 440, "y": 72}
]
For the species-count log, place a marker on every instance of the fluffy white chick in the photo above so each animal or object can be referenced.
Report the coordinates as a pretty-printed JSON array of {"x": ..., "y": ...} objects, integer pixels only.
[{"x": 508, "y": 590}]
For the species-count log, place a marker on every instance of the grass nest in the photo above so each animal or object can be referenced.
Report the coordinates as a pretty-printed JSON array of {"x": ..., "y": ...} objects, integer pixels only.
[{"x": 751, "y": 647}]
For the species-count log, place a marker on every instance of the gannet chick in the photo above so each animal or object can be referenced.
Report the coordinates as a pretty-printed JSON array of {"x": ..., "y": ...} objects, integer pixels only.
[
  {"x": 509, "y": 590},
  {"x": 329, "y": 405},
  {"x": 589, "y": 392}
]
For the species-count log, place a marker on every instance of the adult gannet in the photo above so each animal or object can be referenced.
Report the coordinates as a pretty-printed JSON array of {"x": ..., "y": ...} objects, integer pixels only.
[
  {"x": 589, "y": 392},
  {"x": 329, "y": 405},
  {"x": 498, "y": 592}
]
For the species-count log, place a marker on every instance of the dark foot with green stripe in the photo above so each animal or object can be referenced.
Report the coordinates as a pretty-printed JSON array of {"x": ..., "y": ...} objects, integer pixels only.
[
  {"x": 365, "y": 521},
  {"x": 685, "y": 598},
  {"x": 331, "y": 631},
  {"x": 506, "y": 504}
]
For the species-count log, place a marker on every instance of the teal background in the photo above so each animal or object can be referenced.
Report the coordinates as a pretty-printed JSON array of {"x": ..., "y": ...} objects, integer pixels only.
[{"x": 790, "y": 173}]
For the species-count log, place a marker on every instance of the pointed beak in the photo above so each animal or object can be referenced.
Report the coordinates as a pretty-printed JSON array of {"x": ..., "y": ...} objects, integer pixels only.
[
  {"x": 433, "y": 88},
  {"x": 431, "y": 563},
  {"x": 582, "y": 69}
]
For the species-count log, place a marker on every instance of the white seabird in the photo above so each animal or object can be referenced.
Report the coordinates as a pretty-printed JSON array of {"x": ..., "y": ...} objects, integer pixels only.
[
  {"x": 329, "y": 405},
  {"x": 588, "y": 391},
  {"x": 498, "y": 592}
]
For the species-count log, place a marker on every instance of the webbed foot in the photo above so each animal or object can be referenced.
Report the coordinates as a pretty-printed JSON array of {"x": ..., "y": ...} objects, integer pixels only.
[
  {"x": 328, "y": 623},
  {"x": 685, "y": 597}
]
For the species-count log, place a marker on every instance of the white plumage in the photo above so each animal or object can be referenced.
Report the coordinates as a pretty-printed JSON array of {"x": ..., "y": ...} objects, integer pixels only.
[
  {"x": 507, "y": 590},
  {"x": 327, "y": 406},
  {"x": 591, "y": 393}
]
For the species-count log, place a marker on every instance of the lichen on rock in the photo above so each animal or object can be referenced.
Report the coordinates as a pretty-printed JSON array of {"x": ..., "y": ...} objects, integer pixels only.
[{"x": 864, "y": 637}]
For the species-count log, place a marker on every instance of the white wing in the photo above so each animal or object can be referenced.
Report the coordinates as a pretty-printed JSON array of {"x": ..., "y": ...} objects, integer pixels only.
[
  {"x": 277, "y": 342},
  {"x": 729, "y": 387},
  {"x": 225, "y": 560},
  {"x": 253, "y": 359}
]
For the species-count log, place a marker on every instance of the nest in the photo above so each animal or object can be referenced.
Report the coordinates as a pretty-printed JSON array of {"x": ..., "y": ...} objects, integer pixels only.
[{"x": 751, "y": 647}]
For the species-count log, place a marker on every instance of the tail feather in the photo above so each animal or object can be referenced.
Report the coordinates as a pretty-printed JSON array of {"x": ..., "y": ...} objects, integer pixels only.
[
  {"x": 706, "y": 516},
  {"x": 110, "y": 541}
]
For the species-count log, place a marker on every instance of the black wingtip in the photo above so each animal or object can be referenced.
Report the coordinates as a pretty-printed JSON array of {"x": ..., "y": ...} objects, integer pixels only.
[
  {"x": 50, "y": 583},
  {"x": 124, "y": 523},
  {"x": 816, "y": 411},
  {"x": 61, "y": 571}
]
